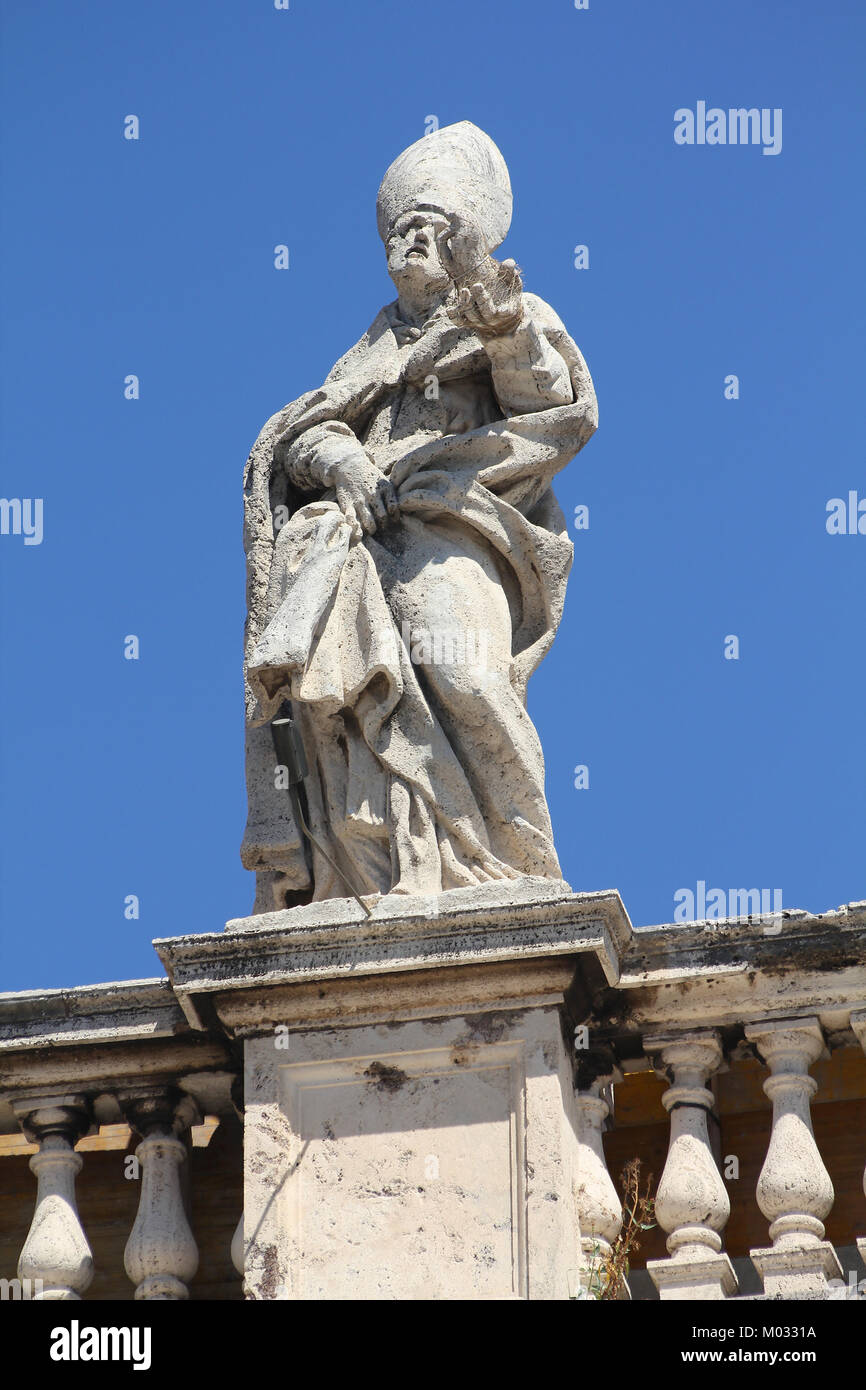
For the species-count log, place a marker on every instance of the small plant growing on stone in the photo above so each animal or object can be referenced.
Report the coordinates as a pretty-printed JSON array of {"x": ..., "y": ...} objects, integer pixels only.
[{"x": 607, "y": 1272}]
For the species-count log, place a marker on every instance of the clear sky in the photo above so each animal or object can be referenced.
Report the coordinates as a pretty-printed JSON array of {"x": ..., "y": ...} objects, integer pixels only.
[{"x": 155, "y": 257}]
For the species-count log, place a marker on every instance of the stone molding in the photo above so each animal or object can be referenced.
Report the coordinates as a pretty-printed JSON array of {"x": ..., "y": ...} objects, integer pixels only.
[
  {"x": 299, "y": 966},
  {"x": 529, "y": 923},
  {"x": 729, "y": 973}
]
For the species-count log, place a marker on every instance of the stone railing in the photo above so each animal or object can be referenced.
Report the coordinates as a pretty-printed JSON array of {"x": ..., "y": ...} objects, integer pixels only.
[
  {"x": 688, "y": 1002},
  {"x": 783, "y": 990},
  {"x": 71, "y": 1061}
]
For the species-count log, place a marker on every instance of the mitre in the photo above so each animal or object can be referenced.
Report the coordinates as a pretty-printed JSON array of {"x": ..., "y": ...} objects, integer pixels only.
[{"x": 457, "y": 169}]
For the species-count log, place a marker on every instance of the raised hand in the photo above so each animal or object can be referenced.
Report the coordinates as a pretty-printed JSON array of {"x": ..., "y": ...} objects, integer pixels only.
[
  {"x": 493, "y": 306},
  {"x": 491, "y": 309},
  {"x": 489, "y": 293},
  {"x": 462, "y": 248}
]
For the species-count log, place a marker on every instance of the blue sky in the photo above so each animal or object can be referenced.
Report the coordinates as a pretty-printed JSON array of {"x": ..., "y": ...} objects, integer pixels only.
[{"x": 707, "y": 516}]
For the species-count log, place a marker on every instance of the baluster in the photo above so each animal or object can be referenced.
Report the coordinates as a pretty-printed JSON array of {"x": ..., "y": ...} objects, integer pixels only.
[
  {"x": 691, "y": 1202},
  {"x": 237, "y": 1248},
  {"x": 598, "y": 1204},
  {"x": 161, "y": 1255},
  {"x": 858, "y": 1024},
  {"x": 56, "y": 1259},
  {"x": 794, "y": 1189}
]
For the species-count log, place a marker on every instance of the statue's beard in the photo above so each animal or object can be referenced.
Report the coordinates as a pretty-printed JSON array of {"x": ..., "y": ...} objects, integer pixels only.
[{"x": 415, "y": 277}]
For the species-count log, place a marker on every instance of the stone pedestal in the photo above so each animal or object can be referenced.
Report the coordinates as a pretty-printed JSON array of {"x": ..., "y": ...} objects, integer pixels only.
[
  {"x": 694, "y": 1278},
  {"x": 410, "y": 1125},
  {"x": 431, "y": 1159},
  {"x": 800, "y": 1274}
]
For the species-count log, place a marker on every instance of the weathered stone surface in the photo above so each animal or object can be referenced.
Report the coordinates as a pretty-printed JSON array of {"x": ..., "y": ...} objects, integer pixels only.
[
  {"x": 691, "y": 1202},
  {"x": 427, "y": 1160},
  {"x": 523, "y": 924},
  {"x": 794, "y": 1189},
  {"x": 407, "y": 562},
  {"x": 729, "y": 972},
  {"x": 450, "y": 1019},
  {"x": 101, "y": 1038},
  {"x": 88, "y": 1013},
  {"x": 56, "y": 1258},
  {"x": 161, "y": 1255},
  {"x": 410, "y": 1125}
]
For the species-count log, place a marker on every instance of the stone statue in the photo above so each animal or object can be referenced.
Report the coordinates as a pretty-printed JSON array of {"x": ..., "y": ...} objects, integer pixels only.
[{"x": 407, "y": 562}]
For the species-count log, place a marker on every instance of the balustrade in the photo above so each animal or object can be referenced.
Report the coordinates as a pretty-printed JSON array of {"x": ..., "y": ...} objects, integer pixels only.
[
  {"x": 794, "y": 1191},
  {"x": 692, "y": 1205}
]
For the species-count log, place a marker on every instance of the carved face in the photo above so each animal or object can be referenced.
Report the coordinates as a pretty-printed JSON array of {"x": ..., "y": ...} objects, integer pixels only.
[{"x": 413, "y": 253}]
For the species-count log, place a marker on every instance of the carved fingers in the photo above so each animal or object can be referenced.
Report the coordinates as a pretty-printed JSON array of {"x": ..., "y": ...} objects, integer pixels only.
[
  {"x": 383, "y": 501},
  {"x": 492, "y": 307},
  {"x": 364, "y": 495},
  {"x": 462, "y": 247}
]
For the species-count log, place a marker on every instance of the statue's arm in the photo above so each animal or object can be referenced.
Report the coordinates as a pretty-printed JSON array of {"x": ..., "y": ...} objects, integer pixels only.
[
  {"x": 528, "y": 372},
  {"x": 326, "y": 452},
  {"x": 330, "y": 455},
  {"x": 521, "y": 336},
  {"x": 312, "y": 459},
  {"x": 519, "y": 331}
]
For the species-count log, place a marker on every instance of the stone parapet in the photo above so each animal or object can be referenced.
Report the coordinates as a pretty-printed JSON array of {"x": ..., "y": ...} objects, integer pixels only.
[{"x": 426, "y": 1089}]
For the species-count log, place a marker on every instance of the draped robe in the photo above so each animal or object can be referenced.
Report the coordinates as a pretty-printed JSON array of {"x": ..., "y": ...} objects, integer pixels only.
[{"x": 426, "y": 772}]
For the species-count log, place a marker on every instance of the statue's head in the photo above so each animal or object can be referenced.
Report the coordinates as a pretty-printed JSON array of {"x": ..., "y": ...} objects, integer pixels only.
[
  {"x": 455, "y": 170},
  {"x": 412, "y": 248}
]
